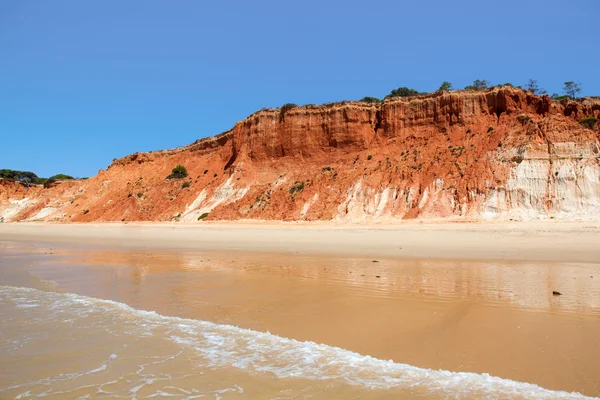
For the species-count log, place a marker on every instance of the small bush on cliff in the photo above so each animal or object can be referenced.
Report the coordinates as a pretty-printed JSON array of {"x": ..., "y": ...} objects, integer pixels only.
[
  {"x": 287, "y": 107},
  {"x": 523, "y": 118},
  {"x": 402, "y": 92},
  {"x": 446, "y": 86},
  {"x": 61, "y": 177},
  {"x": 298, "y": 187},
  {"x": 284, "y": 109},
  {"x": 589, "y": 122},
  {"x": 186, "y": 185},
  {"x": 478, "y": 84},
  {"x": 179, "y": 172},
  {"x": 202, "y": 216},
  {"x": 370, "y": 100}
]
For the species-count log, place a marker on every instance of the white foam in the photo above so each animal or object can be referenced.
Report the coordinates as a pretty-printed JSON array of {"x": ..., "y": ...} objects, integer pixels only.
[{"x": 230, "y": 346}]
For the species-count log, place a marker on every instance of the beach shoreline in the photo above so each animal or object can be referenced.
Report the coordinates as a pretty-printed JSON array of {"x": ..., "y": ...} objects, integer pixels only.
[{"x": 517, "y": 241}]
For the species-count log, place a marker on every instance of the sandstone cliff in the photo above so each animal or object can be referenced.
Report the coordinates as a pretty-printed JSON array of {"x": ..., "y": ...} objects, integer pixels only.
[{"x": 498, "y": 154}]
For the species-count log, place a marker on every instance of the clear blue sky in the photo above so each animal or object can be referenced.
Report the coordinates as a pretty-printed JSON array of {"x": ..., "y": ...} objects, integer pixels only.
[{"x": 83, "y": 82}]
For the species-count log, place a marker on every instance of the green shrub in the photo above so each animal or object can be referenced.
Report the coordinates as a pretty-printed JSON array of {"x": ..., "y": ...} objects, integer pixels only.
[
  {"x": 523, "y": 118},
  {"x": 21, "y": 176},
  {"x": 284, "y": 109},
  {"x": 402, "y": 92},
  {"x": 446, "y": 86},
  {"x": 179, "y": 172},
  {"x": 490, "y": 128},
  {"x": 186, "y": 185},
  {"x": 478, "y": 84},
  {"x": 202, "y": 216},
  {"x": 85, "y": 211},
  {"x": 370, "y": 100},
  {"x": 369, "y": 157},
  {"x": 298, "y": 187},
  {"x": 61, "y": 177},
  {"x": 287, "y": 107},
  {"x": 589, "y": 122}
]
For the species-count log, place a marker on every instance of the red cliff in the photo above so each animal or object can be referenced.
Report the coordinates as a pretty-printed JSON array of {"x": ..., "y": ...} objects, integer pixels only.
[{"x": 502, "y": 153}]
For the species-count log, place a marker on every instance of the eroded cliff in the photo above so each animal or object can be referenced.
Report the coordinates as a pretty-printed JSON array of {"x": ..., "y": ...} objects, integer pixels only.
[{"x": 503, "y": 153}]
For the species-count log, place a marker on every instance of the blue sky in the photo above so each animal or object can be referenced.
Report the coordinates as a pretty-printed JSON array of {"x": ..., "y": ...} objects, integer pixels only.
[{"x": 83, "y": 82}]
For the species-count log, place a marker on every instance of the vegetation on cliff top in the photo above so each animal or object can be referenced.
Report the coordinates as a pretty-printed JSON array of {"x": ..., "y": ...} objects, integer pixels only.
[
  {"x": 20, "y": 176},
  {"x": 570, "y": 89},
  {"x": 446, "y": 86},
  {"x": 369, "y": 99},
  {"x": 402, "y": 92},
  {"x": 478, "y": 84},
  {"x": 61, "y": 177},
  {"x": 30, "y": 178}
]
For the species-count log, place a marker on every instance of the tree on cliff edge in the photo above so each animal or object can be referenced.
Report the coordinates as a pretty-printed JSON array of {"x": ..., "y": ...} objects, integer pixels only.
[
  {"x": 446, "y": 86},
  {"x": 571, "y": 89},
  {"x": 478, "y": 84},
  {"x": 533, "y": 87}
]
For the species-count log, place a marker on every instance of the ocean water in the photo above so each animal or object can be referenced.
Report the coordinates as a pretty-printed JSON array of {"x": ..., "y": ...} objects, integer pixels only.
[
  {"x": 75, "y": 325},
  {"x": 67, "y": 345}
]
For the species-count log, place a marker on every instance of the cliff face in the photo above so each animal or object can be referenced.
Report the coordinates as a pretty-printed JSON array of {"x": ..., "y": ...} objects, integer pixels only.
[{"x": 502, "y": 153}]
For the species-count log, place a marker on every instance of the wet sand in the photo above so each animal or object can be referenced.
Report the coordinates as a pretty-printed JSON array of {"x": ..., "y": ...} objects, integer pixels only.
[{"x": 434, "y": 310}]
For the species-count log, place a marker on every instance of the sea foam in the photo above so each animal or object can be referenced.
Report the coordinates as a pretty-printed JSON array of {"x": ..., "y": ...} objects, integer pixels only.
[{"x": 265, "y": 353}]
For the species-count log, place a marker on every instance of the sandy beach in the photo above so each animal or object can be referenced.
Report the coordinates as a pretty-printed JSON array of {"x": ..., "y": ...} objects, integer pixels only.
[
  {"x": 464, "y": 299},
  {"x": 527, "y": 241}
]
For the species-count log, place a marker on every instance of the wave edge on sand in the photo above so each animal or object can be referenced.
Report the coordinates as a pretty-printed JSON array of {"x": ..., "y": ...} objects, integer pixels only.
[{"x": 265, "y": 353}]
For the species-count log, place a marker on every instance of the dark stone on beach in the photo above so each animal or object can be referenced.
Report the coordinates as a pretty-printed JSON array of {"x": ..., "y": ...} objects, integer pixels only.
[
  {"x": 377, "y": 276},
  {"x": 375, "y": 261},
  {"x": 555, "y": 293}
]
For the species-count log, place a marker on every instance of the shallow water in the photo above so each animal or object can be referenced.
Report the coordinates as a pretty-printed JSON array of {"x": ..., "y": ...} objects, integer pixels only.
[{"x": 90, "y": 323}]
